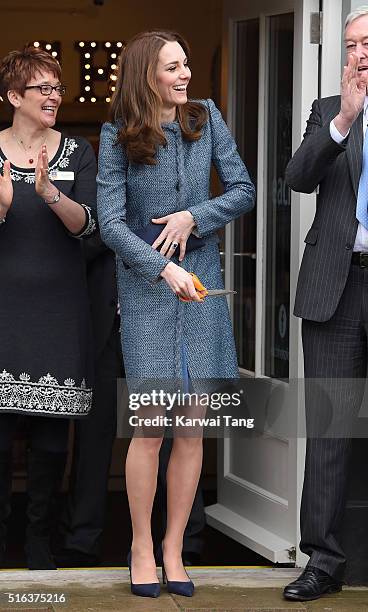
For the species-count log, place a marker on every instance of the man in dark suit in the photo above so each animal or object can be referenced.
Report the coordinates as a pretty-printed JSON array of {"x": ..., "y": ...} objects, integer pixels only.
[{"x": 332, "y": 299}]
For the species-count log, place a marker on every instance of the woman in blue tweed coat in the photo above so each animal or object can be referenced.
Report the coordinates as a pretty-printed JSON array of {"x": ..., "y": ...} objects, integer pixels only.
[{"x": 154, "y": 164}]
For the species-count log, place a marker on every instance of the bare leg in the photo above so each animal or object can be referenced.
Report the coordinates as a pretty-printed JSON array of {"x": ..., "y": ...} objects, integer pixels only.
[
  {"x": 183, "y": 474},
  {"x": 141, "y": 481}
]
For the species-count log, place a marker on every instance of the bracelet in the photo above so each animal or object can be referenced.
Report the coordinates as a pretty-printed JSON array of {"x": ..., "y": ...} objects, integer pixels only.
[
  {"x": 55, "y": 199},
  {"x": 89, "y": 226}
]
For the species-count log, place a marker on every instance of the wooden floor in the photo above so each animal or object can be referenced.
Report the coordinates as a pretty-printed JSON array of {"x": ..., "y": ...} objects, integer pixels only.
[{"x": 217, "y": 590}]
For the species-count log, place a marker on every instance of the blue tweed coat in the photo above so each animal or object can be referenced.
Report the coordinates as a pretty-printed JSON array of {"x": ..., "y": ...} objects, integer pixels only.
[{"x": 155, "y": 323}]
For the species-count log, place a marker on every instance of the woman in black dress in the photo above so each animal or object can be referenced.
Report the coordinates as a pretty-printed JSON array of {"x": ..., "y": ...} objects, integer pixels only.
[{"x": 47, "y": 198}]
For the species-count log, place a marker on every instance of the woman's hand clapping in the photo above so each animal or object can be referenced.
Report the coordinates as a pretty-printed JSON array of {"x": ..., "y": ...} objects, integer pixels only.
[
  {"x": 43, "y": 186},
  {"x": 6, "y": 190},
  {"x": 177, "y": 230}
]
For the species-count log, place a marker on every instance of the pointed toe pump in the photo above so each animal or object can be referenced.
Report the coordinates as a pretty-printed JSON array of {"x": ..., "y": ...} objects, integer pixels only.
[
  {"x": 151, "y": 589},
  {"x": 176, "y": 587}
]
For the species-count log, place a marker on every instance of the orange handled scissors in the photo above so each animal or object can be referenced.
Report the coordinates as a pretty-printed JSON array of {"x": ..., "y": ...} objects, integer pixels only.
[{"x": 203, "y": 292}]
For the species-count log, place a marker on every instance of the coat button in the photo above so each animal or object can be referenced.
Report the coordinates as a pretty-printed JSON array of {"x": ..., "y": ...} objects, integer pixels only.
[{"x": 348, "y": 246}]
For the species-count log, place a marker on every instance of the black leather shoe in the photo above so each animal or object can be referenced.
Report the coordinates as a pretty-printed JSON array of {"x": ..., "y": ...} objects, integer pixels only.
[{"x": 311, "y": 584}]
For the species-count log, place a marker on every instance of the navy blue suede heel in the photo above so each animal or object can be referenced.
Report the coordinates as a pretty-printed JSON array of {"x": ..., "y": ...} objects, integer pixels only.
[
  {"x": 151, "y": 589},
  {"x": 186, "y": 589}
]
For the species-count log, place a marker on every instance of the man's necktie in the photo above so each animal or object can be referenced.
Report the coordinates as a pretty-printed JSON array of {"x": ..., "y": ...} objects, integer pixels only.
[{"x": 362, "y": 200}]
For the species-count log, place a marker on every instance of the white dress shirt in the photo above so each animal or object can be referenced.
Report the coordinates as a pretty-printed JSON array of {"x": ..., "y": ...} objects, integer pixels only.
[{"x": 361, "y": 238}]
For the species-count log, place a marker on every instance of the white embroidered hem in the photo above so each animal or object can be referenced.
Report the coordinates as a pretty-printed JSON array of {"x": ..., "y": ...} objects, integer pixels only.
[{"x": 46, "y": 396}]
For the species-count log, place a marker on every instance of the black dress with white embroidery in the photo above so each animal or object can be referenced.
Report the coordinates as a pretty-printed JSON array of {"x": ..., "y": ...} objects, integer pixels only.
[{"x": 45, "y": 335}]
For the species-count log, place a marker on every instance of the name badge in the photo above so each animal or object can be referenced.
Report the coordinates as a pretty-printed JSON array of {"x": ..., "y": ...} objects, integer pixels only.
[{"x": 59, "y": 175}]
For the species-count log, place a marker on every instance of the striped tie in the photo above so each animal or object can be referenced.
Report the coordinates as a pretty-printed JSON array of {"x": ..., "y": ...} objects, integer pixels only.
[{"x": 362, "y": 201}]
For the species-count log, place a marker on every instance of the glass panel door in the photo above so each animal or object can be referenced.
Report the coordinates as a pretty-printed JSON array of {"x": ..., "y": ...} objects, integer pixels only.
[
  {"x": 277, "y": 213},
  {"x": 277, "y": 208},
  {"x": 244, "y": 236},
  {"x": 259, "y": 479}
]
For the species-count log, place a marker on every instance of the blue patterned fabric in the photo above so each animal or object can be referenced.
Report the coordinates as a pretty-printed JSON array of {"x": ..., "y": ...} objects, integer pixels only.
[
  {"x": 155, "y": 323},
  {"x": 362, "y": 200},
  {"x": 187, "y": 387}
]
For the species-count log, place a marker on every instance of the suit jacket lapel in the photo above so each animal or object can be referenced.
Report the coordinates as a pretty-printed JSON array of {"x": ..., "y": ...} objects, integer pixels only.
[{"x": 354, "y": 150}]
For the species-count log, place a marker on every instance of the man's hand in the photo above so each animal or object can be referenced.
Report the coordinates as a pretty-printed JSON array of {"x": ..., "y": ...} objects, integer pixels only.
[
  {"x": 177, "y": 230},
  {"x": 353, "y": 92},
  {"x": 6, "y": 190}
]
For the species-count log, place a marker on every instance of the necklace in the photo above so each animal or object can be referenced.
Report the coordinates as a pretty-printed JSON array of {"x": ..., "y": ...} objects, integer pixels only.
[{"x": 27, "y": 149}]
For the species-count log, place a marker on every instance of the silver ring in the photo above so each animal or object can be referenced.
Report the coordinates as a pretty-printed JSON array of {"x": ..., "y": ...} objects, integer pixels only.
[{"x": 174, "y": 245}]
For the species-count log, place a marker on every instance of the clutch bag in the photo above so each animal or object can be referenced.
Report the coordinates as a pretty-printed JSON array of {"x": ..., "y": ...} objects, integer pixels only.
[{"x": 150, "y": 232}]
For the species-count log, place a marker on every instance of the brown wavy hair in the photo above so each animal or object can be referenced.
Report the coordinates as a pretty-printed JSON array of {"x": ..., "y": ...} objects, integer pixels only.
[
  {"x": 19, "y": 67},
  {"x": 137, "y": 104}
]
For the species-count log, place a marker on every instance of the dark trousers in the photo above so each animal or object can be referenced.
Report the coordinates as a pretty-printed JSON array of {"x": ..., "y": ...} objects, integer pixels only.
[
  {"x": 45, "y": 433},
  {"x": 84, "y": 518},
  {"x": 192, "y": 541},
  {"x": 48, "y": 438},
  {"x": 335, "y": 365}
]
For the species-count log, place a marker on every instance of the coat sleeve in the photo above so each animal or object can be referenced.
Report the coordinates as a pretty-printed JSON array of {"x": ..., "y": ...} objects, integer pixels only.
[
  {"x": 111, "y": 208},
  {"x": 239, "y": 192},
  {"x": 84, "y": 189},
  {"x": 317, "y": 152}
]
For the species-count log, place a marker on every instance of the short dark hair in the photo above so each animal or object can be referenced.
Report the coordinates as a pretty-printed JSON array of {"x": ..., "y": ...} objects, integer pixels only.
[{"x": 19, "y": 67}]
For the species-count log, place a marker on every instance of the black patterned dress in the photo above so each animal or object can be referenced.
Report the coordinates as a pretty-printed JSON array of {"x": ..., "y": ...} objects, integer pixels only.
[{"x": 45, "y": 335}]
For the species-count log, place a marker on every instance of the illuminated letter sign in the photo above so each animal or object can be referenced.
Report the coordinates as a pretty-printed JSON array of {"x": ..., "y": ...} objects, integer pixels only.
[
  {"x": 90, "y": 73},
  {"x": 53, "y": 47}
]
